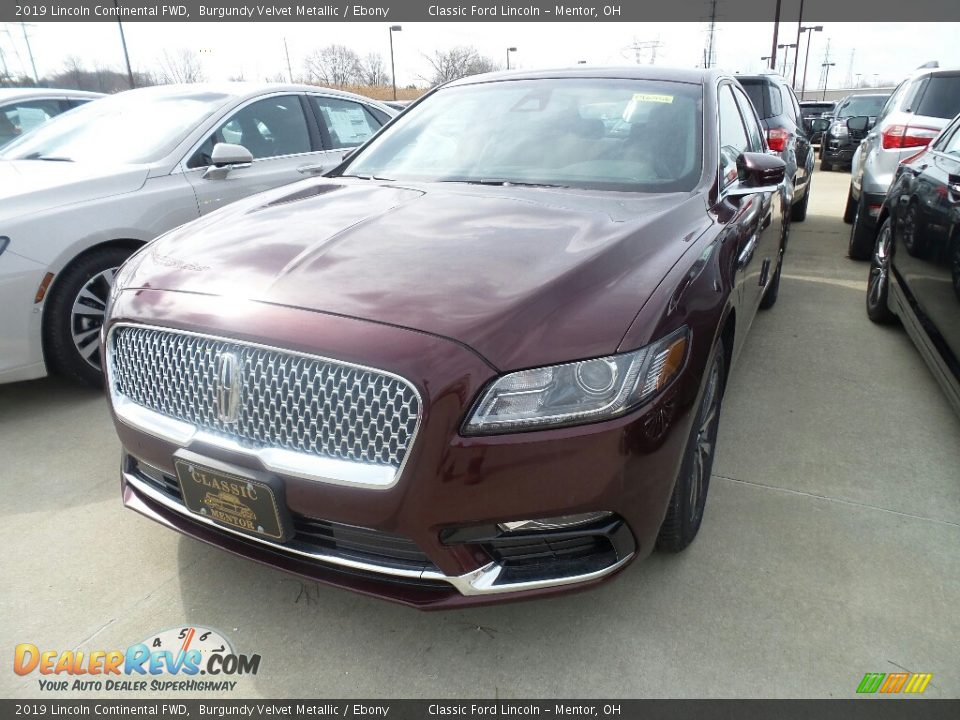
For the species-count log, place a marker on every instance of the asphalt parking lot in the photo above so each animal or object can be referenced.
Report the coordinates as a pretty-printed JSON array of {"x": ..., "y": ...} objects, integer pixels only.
[{"x": 829, "y": 547}]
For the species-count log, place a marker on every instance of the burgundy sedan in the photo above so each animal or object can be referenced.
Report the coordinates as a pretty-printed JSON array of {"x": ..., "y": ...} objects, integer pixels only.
[{"x": 482, "y": 359}]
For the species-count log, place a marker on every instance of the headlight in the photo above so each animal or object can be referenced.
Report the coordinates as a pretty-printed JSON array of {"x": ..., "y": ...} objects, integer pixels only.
[
  {"x": 578, "y": 392},
  {"x": 839, "y": 130}
]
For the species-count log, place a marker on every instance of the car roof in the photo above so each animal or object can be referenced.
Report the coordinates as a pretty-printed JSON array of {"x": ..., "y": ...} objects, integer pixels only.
[
  {"x": 241, "y": 90},
  {"x": 7, "y": 94},
  {"x": 771, "y": 77},
  {"x": 628, "y": 72}
]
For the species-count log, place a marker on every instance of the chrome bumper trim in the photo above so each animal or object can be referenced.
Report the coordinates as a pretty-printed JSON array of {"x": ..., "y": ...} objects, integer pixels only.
[{"x": 481, "y": 581}]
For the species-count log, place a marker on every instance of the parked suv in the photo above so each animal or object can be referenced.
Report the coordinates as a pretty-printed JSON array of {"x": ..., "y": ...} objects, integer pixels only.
[
  {"x": 838, "y": 143},
  {"x": 918, "y": 110},
  {"x": 812, "y": 110},
  {"x": 783, "y": 124}
]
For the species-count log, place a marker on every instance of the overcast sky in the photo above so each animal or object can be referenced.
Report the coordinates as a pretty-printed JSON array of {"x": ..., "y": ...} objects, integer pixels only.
[{"x": 256, "y": 51}]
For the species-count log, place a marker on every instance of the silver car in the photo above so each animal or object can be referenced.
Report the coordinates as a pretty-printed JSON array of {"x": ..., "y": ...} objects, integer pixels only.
[
  {"x": 920, "y": 107},
  {"x": 23, "y": 109},
  {"x": 83, "y": 192}
]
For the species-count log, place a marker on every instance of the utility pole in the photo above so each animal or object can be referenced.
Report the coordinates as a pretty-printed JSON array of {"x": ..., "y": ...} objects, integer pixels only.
[
  {"x": 286, "y": 51},
  {"x": 848, "y": 81},
  {"x": 123, "y": 41},
  {"x": 638, "y": 46},
  {"x": 26, "y": 39},
  {"x": 3, "y": 62},
  {"x": 825, "y": 69},
  {"x": 710, "y": 58}
]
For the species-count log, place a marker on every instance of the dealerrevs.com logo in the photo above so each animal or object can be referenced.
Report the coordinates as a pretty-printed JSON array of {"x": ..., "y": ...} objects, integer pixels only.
[{"x": 179, "y": 659}]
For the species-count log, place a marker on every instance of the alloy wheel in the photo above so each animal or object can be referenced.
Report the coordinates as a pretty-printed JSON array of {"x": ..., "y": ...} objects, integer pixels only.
[
  {"x": 879, "y": 270},
  {"x": 705, "y": 444},
  {"x": 88, "y": 313}
]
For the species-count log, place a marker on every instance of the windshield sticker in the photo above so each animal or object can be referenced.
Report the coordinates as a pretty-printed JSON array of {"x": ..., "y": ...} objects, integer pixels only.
[{"x": 652, "y": 97}]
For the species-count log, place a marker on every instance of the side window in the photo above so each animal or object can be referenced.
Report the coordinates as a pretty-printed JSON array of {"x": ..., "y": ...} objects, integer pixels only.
[
  {"x": 754, "y": 134},
  {"x": 26, "y": 115},
  {"x": 787, "y": 104},
  {"x": 267, "y": 128},
  {"x": 952, "y": 144},
  {"x": 348, "y": 123},
  {"x": 776, "y": 100},
  {"x": 733, "y": 137},
  {"x": 894, "y": 100}
]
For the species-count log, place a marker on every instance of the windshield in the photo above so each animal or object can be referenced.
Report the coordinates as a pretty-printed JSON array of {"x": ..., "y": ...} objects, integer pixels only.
[
  {"x": 629, "y": 135},
  {"x": 869, "y": 105},
  {"x": 126, "y": 128}
]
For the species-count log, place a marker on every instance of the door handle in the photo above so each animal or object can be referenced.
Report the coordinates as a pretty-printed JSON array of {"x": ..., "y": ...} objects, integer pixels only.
[
  {"x": 311, "y": 169},
  {"x": 746, "y": 255}
]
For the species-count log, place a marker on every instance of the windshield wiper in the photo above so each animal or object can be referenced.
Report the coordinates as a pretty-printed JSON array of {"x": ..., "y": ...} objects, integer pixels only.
[
  {"x": 49, "y": 158},
  {"x": 505, "y": 183},
  {"x": 368, "y": 177}
]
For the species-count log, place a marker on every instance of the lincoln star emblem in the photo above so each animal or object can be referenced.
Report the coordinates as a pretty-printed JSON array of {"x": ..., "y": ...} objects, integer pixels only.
[{"x": 227, "y": 387}]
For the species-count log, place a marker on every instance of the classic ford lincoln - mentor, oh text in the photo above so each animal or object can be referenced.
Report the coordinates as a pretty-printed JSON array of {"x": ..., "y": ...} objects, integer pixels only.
[{"x": 481, "y": 359}]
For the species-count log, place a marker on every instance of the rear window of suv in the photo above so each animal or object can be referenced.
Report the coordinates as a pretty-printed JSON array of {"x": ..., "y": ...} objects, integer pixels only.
[
  {"x": 940, "y": 98},
  {"x": 764, "y": 97}
]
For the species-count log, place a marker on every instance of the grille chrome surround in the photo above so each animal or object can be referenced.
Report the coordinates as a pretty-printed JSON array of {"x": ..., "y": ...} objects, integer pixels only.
[{"x": 299, "y": 414}]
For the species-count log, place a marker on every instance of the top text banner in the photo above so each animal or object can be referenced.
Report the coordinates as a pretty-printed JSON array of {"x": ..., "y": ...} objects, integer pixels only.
[{"x": 511, "y": 11}]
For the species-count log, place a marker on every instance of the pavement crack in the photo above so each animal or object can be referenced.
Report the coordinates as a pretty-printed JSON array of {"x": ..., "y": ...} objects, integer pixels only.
[{"x": 838, "y": 500}]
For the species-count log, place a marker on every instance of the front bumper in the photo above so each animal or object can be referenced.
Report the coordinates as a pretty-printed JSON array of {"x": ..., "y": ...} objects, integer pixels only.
[
  {"x": 436, "y": 519},
  {"x": 838, "y": 150}
]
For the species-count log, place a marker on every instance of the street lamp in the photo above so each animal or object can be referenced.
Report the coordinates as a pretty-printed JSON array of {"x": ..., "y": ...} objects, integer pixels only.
[
  {"x": 509, "y": 50},
  {"x": 393, "y": 74},
  {"x": 787, "y": 46},
  {"x": 826, "y": 78},
  {"x": 808, "y": 29}
]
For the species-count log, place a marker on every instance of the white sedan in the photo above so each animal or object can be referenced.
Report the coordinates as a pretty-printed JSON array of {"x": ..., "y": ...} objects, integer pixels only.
[{"x": 81, "y": 193}]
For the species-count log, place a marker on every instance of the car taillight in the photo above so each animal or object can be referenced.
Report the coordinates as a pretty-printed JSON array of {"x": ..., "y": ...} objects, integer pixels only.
[
  {"x": 777, "y": 139},
  {"x": 897, "y": 137}
]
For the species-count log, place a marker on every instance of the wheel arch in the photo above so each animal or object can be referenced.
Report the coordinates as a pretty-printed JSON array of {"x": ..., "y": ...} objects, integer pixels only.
[{"x": 130, "y": 244}]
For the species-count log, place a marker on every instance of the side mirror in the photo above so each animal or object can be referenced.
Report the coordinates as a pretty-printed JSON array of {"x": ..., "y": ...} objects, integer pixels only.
[
  {"x": 758, "y": 172},
  {"x": 819, "y": 125},
  {"x": 227, "y": 156},
  {"x": 858, "y": 124}
]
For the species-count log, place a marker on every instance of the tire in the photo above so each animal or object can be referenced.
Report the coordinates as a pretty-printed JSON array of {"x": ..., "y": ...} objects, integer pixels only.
[
  {"x": 860, "y": 246},
  {"x": 798, "y": 212},
  {"x": 71, "y": 339},
  {"x": 685, "y": 511},
  {"x": 824, "y": 165},
  {"x": 850, "y": 211},
  {"x": 773, "y": 289},
  {"x": 878, "y": 283}
]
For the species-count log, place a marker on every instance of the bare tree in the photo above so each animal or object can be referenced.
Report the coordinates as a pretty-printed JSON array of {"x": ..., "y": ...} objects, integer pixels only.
[
  {"x": 373, "y": 72},
  {"x": 456, "y": 63},
  {"x": 182, "y": 66},
  {"x": 74, "y": 75},
  {"x": 333, "y": 65}
]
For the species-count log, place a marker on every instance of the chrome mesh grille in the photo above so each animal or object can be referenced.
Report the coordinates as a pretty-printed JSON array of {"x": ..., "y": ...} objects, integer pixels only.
[{"x": 303, "y": 404}]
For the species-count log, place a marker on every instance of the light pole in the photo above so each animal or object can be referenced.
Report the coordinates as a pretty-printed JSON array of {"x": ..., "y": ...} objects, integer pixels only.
[
  {"x": 796, "y": 50},
  {"x": 776, "y": 29},
  {"x": 826, "y": 78},
  {"x": 808, "y": 29},
  {"x": 510, "y": 50},
  {"x": 786, "y": 54},
  {"x": 393, "y": 74}
]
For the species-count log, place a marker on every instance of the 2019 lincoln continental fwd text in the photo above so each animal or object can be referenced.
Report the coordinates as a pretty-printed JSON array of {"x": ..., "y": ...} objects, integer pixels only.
[{"x": 484, "y": 358}]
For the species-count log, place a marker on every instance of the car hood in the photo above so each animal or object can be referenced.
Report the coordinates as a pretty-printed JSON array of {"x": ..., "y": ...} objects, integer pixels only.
[
  {"x": 31, "y": 186},
  {"x": 523, "y": 276}
]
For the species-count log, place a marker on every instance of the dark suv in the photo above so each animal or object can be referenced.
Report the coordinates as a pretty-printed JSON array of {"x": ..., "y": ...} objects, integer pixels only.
[
  {"x": 838, "y": 143},
  {"x": 783, "y": 124},
  {"x": 814, "y": 110}
]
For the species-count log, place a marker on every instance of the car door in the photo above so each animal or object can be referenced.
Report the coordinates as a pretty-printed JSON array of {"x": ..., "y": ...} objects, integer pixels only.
[
  {"x": 344, "y": 124},
  {"x": 928, "y": 259},
  {"x": 754, "y": 218},
  {"x": 281, "y": 137}
]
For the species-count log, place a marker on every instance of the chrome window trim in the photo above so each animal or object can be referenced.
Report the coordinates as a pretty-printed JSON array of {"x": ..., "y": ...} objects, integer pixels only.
[
  {"x": 279, "y": 460},
  {"x": 481, "y": 581}
]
